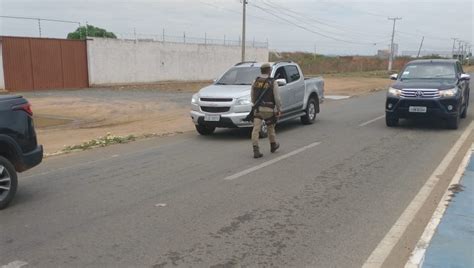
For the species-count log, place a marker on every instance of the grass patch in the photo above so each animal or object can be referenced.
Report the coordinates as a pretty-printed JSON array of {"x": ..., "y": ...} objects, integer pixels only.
[{"x": 106, "y": 140}]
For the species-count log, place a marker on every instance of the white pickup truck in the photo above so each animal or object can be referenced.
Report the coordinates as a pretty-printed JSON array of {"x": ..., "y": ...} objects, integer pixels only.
[{"x": 226, "y": 103}]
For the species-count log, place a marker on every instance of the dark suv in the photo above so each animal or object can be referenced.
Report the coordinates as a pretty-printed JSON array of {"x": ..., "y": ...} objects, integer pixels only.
[
  {"x": 19, "y": 150},
  {"x": 429, "y": 89}
]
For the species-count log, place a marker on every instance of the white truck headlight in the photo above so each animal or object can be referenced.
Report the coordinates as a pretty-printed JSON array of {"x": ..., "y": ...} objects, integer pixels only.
[
  {"x": 244, "y": 101},
  {"x": 394, "y": 92},
  {"x": 194, "y": 99},
  {"x": 447, "y": 93}
]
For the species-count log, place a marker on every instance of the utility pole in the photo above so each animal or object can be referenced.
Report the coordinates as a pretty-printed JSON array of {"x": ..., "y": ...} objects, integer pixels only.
[
  {"x": 459, "y": 49},
  {"x": 419, "y": 50},
  {"x": 244, "y": 6},
  {"x": 454, "y": 46},
  {"x": 390, "y": 60},
  {"x": 314, "y": 56},
  {"x": 39, "y": 27}
]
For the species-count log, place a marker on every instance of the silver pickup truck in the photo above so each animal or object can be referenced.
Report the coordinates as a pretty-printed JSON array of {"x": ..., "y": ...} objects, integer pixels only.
[{"x": 226, "y": 103}]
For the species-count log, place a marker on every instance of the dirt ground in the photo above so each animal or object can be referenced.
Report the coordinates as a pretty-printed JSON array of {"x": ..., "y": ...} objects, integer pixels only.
[{"x": 72, "y": 117}]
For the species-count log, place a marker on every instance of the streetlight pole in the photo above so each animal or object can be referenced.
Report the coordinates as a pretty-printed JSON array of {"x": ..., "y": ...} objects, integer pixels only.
[
  {"x": 244, "y": 6},
  {"x": 390, "y": 60}
]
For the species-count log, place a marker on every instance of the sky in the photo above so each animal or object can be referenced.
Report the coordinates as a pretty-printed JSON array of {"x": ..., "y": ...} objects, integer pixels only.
[{"x": 341, "y": 27}]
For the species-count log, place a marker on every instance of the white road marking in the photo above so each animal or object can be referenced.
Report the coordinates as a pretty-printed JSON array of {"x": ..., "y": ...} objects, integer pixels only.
[
  {"x": 271, "y": 162},
  {"x": 385, "y": 247},
  {"x": 371, "y": 121},
  {"x": 336, "y": 97},
  {"x": 418, "y": 254},
  {"x": 14, "y": 264}
]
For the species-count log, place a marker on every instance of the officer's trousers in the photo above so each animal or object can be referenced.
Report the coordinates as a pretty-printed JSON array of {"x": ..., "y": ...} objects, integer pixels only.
[{"x": 257, "y": 124}]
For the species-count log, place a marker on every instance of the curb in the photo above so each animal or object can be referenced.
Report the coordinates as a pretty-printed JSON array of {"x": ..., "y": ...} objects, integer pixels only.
[{"x": 418, "y": 255}]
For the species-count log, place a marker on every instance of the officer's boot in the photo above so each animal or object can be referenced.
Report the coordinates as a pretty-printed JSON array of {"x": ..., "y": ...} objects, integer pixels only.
[
  {"x": 274, "y": 146},
  {"x": 256, "y": 152}
]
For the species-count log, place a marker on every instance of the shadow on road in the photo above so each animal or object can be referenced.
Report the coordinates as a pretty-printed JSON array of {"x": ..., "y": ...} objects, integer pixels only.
[
  {"x": 244, "y": 133},
  {"x": 425, "y": 124}
]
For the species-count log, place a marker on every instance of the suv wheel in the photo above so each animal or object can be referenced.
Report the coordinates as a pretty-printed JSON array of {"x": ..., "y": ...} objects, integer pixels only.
[
  {"x": 205, "y": 130},
  {"x": 311, "y": 112},
  {"x": 464, "y": 113},
  {"x": 391, "y": 121},
  {"x": 8, "y": 182},
  {"x": 453, "y": 123}
]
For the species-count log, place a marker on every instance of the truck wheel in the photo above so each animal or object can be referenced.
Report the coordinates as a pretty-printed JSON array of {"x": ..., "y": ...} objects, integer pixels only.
[
  {"x": 464, "y": 113},
  {"x": 311, "y": 112},
  {"x": 453, "y": 123},
  {"x": 205, "y": 130},
  {"x": 263, "y": 130},
  {"x": 8, "y": 182},
  {"x": 391, "y": 121}
]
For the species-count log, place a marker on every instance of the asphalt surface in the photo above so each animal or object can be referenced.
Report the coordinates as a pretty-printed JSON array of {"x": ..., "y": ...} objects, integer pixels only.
[{"x": 166, "y": 202}]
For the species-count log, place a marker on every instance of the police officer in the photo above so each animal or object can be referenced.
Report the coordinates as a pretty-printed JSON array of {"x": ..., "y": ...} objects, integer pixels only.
[{"x": 268, "y": 110}]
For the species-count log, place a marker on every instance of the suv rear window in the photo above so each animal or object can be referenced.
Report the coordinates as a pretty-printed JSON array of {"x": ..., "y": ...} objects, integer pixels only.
[{"x": 293, "y": 73}]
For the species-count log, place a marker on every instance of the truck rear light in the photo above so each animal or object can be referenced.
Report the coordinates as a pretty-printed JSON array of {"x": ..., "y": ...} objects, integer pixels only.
[{"x": 24, "y": 107}]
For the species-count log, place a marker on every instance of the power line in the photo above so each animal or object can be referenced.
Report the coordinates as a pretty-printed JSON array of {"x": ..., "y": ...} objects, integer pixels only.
[
  {"x": 299, "y": 17},
  {"x": 307, "y": 29}
]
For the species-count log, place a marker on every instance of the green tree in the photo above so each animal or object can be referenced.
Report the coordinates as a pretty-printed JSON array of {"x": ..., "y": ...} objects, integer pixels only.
[{"x": 90, "y": 31}]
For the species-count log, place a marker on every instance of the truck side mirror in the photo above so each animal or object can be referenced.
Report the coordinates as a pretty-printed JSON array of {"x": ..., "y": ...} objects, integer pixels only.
[
  {"x": 465, "y": 77},
  {"x": 281, "y": 82},
  {"x": 394, "y": 77}
]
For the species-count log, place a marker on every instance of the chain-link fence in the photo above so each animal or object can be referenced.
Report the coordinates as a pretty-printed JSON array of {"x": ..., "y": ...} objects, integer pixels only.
[{"x": 186, "y": 39}]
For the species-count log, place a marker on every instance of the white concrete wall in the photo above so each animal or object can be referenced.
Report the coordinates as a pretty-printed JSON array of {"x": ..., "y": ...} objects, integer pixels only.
[
  {"x": 2, "y": 78},
  {"x": 125, "y": 62}
]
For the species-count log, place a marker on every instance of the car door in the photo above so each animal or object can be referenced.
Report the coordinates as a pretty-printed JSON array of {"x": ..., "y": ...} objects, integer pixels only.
[
  {"x": 286, "y": 94},
  {"x": 297, "y": 87}
]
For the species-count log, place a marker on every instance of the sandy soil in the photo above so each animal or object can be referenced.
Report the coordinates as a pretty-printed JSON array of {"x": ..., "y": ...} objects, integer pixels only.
[
  {"x": 73, "y": 117},
  {"x": 353, "y": 86},
  {"x": 67, "y": 121}
]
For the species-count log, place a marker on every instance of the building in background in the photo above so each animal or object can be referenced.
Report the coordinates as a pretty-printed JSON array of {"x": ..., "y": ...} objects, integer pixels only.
[{"x": 385, "y": 53}]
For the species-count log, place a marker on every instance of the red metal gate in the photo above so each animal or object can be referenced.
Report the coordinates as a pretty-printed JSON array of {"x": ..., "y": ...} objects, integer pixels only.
[{"x": 43, "y": 63}]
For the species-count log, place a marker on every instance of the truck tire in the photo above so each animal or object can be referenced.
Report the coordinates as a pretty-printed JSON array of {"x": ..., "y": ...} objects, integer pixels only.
[
  {"x": 205, "y": 130},
  {"x": 453, "y": 123},
  {"x": 311, "y": 112},
  {"x": 391, "y": 121},
  {"x": 8, "y": 182}
]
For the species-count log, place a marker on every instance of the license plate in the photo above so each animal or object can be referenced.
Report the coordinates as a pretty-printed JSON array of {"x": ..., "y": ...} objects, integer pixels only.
[
  {"x": 212, "y": 118},
  {"x": 417, "y": 109}
]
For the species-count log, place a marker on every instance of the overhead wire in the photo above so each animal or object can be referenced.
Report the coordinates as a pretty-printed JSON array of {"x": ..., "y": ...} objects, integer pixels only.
[
  {"x": 273, "y": 13},
  {"x": 301, "y": 16}
]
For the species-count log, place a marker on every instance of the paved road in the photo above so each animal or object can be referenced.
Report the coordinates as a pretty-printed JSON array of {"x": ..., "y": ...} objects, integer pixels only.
[{"x": 327, "y": 204}]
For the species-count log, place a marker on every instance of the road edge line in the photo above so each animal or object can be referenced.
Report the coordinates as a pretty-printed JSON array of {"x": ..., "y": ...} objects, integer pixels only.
[
  {"x": 417, "y": 256},
  {"x": 382, "y": 251}
]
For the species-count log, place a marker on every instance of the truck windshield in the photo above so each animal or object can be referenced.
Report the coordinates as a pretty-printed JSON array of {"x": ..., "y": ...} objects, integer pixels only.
[
  {"x": 429, "y": 71},
  {"x": 239, "y": 76}
]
